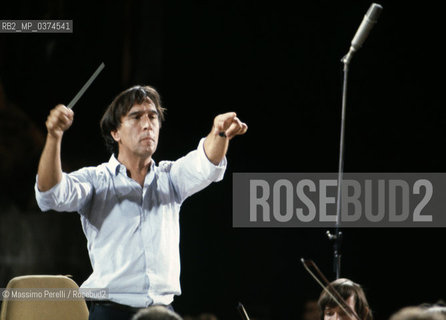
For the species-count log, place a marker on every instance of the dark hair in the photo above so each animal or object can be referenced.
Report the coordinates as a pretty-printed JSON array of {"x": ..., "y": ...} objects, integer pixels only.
[
  {"x": 419, "y": 313},
  {"x": 120, "y": 106},
  {"x": 346, "y": 288},
  {"x": 157, "y": 312}
]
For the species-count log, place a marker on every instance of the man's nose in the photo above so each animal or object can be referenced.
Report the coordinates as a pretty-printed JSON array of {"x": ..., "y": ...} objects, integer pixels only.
[{"x": 145, "y": 121}]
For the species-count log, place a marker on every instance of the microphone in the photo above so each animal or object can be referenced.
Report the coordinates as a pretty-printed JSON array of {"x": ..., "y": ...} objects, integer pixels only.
[{"x": 370, "y": 19}]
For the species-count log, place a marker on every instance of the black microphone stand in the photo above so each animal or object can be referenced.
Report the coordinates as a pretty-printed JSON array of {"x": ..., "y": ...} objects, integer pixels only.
[
  {"x": 364, "y": 29},
  {"x": 337, "y": 236}
]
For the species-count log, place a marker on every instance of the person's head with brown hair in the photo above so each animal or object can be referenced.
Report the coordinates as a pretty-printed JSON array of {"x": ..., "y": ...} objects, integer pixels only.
[
  {"x": 120, "y": 107},
  {"x": 424, "y": 311},
  {"x": 417, "y": 313},
  {"x": 353, "y": 295},
  {"x": 157, "y": 312}
]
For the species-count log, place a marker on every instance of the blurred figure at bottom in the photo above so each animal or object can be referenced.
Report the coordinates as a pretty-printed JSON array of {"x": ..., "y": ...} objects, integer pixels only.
[
  {"x": 353, "y": 295},
  {"x": 157, "y": 312},
  {"x": 423, "y": 312}
]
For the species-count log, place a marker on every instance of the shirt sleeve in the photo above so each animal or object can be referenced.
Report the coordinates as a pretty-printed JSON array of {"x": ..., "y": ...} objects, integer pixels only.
[
  {"x": 70, "y": 194},
  {"x": 195, "y": 172}
]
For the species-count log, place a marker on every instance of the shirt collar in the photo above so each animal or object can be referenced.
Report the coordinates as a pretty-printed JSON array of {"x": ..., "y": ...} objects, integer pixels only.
[{"x": 115, "y": 166}]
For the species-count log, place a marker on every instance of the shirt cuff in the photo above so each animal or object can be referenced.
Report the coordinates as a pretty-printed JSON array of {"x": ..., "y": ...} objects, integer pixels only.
[
  {"x": 219, "y": 169},
  {"x": 45, "y": 199}
]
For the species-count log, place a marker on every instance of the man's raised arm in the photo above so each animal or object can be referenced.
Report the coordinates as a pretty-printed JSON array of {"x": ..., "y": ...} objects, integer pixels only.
[
  {"x": 50, "y": 167},
  {"x": 225, "y": 127}
]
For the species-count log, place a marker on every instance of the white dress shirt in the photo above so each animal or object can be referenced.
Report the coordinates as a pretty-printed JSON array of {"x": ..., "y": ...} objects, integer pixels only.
[{"x": 132, "y": 231}]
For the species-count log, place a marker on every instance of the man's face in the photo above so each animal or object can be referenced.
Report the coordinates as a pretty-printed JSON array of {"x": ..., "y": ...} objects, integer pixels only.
[
  {"x": 138, "y": 133},
  {"x": 336, "y": 313}
]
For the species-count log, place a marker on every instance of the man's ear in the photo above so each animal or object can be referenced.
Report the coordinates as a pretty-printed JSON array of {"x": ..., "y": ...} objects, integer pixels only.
[{"x": 115, "y": 135}]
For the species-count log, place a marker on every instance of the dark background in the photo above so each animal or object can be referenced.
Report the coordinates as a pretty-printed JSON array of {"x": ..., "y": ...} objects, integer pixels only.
[{"x": 277, "y": 64}]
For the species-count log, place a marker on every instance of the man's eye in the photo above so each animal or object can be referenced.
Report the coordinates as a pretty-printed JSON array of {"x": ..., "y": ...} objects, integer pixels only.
[{"x": 139, "y": 116}]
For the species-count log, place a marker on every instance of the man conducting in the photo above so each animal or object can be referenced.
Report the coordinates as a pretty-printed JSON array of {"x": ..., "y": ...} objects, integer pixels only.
[{"x": 129, "y": 206}]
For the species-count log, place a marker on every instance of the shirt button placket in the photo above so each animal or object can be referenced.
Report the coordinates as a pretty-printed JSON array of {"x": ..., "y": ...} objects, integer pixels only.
[{"x": 144, "y": 244}]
